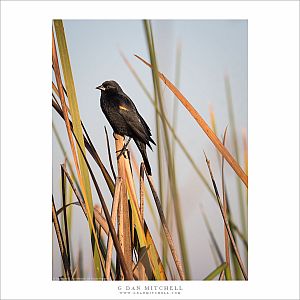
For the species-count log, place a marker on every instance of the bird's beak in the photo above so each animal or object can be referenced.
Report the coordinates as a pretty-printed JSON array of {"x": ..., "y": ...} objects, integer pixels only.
[{"x": 100, "y": 87}]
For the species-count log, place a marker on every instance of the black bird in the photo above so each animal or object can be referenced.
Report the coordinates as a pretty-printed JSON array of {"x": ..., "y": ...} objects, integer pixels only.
[{"x": 124, "y": 118}]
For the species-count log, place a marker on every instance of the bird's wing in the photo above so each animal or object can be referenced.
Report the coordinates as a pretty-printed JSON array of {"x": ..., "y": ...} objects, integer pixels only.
[{"x": 133, "y": 119}]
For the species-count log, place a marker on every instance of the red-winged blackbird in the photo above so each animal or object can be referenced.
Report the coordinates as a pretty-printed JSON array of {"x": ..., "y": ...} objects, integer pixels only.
[{"x": 124, "y": 118}]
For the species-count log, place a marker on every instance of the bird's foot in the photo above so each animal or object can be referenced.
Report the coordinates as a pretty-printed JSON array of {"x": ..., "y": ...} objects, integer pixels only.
[{"x": 123, "y": 150}]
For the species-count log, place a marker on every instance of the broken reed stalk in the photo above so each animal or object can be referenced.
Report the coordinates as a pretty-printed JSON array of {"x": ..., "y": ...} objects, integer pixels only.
[
  {"x": 166, "y": 229},
  {"x": 123, "y": 212},
  {"x": 211, "y": 135},
  {"x": 113, "y": 218},
  {"x": 61, "y": 244},
  {"x": 236, "y": 251}
]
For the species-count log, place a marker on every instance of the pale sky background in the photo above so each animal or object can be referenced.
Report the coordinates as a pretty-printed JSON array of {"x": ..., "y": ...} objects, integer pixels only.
[{"x": 210, "y": 49}]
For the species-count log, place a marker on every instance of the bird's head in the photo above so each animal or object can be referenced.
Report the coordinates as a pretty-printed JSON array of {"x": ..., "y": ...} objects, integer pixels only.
[{"x": 109, "y": 87}]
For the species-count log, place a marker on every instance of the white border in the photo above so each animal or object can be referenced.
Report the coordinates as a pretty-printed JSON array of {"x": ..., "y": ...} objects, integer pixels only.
[{"x": 273, "y": 146}]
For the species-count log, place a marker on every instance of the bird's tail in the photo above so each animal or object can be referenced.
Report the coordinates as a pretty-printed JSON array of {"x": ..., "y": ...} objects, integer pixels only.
[{"x": 142, "y": 148}]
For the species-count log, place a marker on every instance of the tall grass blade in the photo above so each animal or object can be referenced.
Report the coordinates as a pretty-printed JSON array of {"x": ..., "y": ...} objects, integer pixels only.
[
  {"x": 159, "y": 138},
  {"x": 82, "y": 171},
  {"x": 168, "y": 150}
]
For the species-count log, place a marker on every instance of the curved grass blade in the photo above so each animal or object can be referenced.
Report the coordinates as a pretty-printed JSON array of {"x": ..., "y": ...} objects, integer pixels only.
[
  {"x": 215, "y": 272},
  {"x": 226, "y": 237},
  {"x": 211, "y": 135}
]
